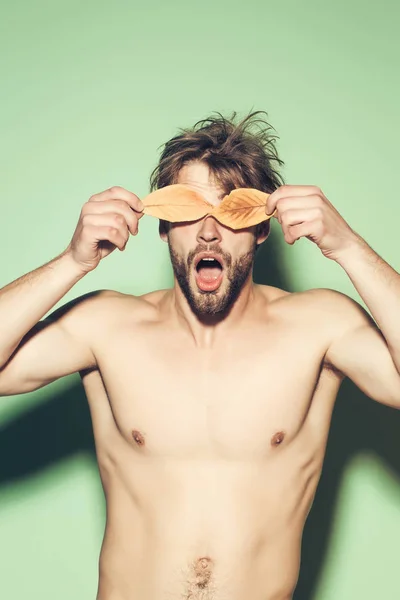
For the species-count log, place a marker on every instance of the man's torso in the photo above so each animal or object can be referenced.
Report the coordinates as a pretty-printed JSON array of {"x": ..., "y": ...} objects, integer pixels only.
[{"x": 209, "y": 458}]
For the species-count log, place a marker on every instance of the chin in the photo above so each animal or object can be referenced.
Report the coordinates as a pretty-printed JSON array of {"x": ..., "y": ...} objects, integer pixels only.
[{"x": 212, "y": 303}]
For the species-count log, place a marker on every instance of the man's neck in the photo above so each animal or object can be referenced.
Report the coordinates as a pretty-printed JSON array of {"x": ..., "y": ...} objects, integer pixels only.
[{"x": 208, "y": 330}]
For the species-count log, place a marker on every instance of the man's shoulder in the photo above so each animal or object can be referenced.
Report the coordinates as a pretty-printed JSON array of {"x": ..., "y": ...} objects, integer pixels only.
[
  {"x": 334, "y": 309},
  {"x": 103, "y": 307},
  {"x": 117, "y": 303},
  {"x": 321, "y": 306},
  {"x": 326, "y": 296},
  {"x": 332, "y": 300},
  {"x": 270, "y": 293},
  {"x": 304, "y": 298}
]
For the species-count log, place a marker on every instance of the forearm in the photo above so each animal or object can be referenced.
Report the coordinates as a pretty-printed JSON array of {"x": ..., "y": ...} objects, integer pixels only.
[
  {"x": 27, "y": 299},
  {"x": 379, "y": 286}
]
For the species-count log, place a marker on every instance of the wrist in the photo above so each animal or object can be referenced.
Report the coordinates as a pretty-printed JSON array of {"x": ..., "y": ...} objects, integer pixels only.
[
  {"x": 354, "y": 249},
  {"x": 75, "y": 269}
]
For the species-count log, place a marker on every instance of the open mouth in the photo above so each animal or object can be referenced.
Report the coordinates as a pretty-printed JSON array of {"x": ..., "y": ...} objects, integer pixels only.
[{"x": 209, "y": 273}]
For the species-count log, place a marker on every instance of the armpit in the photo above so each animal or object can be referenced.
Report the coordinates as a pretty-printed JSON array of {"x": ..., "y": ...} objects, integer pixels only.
[{"x": 330, "y": 369}]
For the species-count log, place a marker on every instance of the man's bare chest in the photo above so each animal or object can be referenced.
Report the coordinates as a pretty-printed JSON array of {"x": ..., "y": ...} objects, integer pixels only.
[{"x": 250, "y": 394}]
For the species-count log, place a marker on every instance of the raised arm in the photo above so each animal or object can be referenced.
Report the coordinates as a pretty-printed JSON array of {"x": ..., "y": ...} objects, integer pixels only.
[
  {"x": 27, "y": 299},
  {"x": 34, "y": 352},
  {"x": 358, "y": 348},
  {"x": 55, "y": 347}
]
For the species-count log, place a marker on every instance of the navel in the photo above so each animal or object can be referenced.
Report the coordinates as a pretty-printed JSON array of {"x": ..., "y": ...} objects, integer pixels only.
[
  {"x": 138, "y": 437},
  {"x": 203, "y": 571},
  {"x": 277, "y": 438}
]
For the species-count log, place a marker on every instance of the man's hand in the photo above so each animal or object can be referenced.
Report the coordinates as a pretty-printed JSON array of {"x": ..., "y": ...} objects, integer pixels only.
[
  {"x": 303, "y": 210},
  {"x": 106, "y": 221}
]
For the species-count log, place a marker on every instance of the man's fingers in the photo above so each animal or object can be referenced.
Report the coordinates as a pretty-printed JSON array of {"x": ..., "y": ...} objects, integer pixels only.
[
  {"x": 116, "y": 208},
  {"x": 119, "y": 193}
]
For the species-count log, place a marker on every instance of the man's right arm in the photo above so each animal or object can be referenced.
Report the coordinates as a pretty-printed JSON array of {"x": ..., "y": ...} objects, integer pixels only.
[{"x": 34, "y": 353}]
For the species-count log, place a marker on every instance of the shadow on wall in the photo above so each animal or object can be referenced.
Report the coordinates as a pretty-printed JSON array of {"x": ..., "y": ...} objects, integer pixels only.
[{"x": 61, "y": 427}]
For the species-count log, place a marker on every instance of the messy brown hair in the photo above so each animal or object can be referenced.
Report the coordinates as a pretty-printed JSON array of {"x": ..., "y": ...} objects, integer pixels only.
[{"x": 236, "y": 155}]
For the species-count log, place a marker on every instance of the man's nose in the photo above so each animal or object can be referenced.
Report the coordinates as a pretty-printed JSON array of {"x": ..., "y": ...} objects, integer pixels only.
[{"x": 209, "y": 231}]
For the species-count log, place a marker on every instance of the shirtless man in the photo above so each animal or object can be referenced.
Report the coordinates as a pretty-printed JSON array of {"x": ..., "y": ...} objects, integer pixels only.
[{"x": 210, "y": 409}]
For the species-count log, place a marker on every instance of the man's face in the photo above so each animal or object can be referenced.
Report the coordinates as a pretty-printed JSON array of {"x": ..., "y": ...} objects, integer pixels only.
[{"x": 210, "y": 287}]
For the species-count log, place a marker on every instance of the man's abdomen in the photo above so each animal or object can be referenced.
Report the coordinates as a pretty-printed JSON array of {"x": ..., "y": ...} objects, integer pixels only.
[{"x": 205, "y": 530}]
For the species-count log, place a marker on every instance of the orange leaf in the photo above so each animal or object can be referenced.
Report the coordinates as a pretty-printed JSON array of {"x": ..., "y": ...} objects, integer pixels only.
[
  {"x": 243, "y": 207},
  {"x": 176, "y": 203}
]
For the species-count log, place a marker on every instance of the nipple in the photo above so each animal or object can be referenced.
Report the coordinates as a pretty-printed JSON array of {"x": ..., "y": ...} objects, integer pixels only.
[
  {"x": 277, "y": 438},
  {"x": 137, "y": 436}
]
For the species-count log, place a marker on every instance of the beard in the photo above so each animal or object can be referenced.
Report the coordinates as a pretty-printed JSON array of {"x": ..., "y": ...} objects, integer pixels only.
[{"x": 217, "y": 302}]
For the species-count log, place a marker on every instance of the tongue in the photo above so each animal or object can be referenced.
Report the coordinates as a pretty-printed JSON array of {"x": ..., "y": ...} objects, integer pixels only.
[
  {"x": 209, "y": 278},
  {"x": 209, "y": 273}
]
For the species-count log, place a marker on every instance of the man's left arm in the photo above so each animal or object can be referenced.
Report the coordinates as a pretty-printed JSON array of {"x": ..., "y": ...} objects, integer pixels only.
[
  {"x": 358, "y": 348},
  {"x": 365, "y": 349}
]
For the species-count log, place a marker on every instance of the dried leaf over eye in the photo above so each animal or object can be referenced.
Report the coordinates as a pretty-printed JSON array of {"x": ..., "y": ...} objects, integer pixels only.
[
  {"x": 176, "y": 203},
  {"x": 243, "y": 207}
]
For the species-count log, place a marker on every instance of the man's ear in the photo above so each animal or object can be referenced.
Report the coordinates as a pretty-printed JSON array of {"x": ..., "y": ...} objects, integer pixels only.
[
  {"x": 262, "y": 231},
  {"x": 163, "y": 229}
]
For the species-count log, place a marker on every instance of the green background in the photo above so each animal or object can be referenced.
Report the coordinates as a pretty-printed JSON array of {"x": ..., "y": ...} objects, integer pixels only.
[{"x": 89, "y": 92}]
